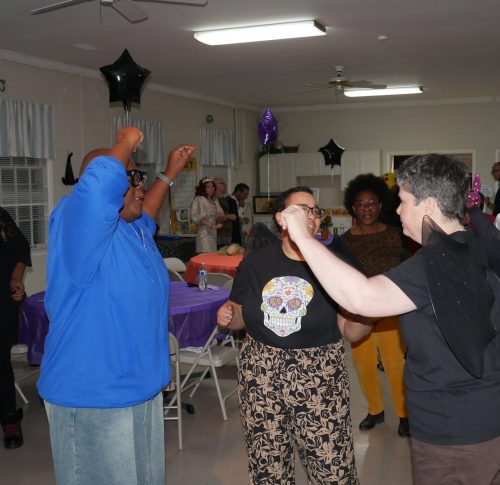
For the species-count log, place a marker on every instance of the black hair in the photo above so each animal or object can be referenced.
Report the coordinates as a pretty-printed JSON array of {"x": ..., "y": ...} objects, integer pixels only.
[
  {"x": 442, "y": 177},
  {"x": 241, "y": 187},
  {"x": 363, "y": 183},
  {"x": 283, "y": 197}
]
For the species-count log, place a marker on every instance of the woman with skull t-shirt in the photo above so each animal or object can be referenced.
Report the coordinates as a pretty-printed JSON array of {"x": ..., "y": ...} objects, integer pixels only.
[{"x": 293, "y": 381}]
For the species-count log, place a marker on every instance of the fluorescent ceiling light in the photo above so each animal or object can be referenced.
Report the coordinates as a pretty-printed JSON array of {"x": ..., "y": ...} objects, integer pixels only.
[
  {"x": 257, "y": 33},
  {"x": 389, "y": 91}
]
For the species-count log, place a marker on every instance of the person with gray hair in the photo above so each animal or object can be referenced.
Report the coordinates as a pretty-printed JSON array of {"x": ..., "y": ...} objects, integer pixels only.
[{"x": 448, "y": 299}]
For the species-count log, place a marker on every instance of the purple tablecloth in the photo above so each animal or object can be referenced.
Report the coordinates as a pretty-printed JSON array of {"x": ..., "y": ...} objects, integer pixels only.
[
  {"x": 193, "y": 312},
  {"x": 192, "y": 318},
  {"x": 33, "y": 327}
]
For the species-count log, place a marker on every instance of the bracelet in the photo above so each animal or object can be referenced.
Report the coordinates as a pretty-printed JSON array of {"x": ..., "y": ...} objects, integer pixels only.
[{"x": 161, "y": 176}]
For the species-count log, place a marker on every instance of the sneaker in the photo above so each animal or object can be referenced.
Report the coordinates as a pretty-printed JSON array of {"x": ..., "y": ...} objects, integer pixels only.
[
  {"x": 404, "y": 428},
  {"x": 12, "y": 435},
  {"x": 371, "y": 420}
]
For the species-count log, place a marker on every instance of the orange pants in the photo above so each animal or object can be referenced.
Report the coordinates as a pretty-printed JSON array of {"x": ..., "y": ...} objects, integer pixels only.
[{"x": 386, "y": 340}]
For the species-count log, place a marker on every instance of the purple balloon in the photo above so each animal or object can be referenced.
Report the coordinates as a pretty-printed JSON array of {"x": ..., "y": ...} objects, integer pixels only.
[{"x": 268, "y": 128}]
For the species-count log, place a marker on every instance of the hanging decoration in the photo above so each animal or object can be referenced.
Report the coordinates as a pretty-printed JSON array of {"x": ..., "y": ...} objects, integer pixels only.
[
  {"x": 125, "y": 79},
  {"x": 474, "y": 197},
  {"x": 332, "y": 153},
  {"x": 69, "y": 177},
  {"x": 268, "y": 128},
  {"x": 268, "y": 134}
]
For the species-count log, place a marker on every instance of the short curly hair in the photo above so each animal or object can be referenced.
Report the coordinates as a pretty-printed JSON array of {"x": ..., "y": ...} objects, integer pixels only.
[{"x": 362, "y": 183}]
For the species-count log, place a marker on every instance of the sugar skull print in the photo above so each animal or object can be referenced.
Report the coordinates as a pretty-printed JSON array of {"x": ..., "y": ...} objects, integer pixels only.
[{"x": 284, "y": 303}]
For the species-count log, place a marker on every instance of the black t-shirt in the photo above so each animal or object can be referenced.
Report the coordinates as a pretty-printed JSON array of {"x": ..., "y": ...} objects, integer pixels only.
[
  {"x": 283, "y": 303},
  {"x": 446, "y": 404}
]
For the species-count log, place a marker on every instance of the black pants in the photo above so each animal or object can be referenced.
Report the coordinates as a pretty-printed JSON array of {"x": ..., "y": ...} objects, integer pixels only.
[{"x": 9, "y": 326}]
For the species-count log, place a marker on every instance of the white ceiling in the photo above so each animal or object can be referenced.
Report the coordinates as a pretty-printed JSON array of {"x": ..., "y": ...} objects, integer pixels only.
[{"x": 450, "y": 47}]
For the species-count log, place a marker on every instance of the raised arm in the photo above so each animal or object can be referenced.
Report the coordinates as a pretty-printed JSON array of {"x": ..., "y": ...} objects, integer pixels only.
[
  {"x": 155, "y": 195},
  {"x": 371, "y": 297},
  {"x": 127, "y": 141}
]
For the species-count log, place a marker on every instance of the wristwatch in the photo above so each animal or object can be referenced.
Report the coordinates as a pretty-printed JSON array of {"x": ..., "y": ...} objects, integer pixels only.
[{"x": 165, "y": 179}]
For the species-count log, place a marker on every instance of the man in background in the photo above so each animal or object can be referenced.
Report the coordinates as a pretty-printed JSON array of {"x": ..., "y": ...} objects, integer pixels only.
[
  {"x": 495, "y": 171},
  {"x": 237, "y": 200},
  {"x": 224, "y": 233}
]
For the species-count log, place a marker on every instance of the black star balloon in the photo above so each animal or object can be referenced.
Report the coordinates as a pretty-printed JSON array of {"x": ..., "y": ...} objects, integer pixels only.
[
  {"x": 332, "y": 153},
  {"x": 125, "y": 79}
]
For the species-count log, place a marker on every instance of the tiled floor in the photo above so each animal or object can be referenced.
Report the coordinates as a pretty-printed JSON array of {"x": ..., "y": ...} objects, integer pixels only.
[{"x": 213, "y": 451}]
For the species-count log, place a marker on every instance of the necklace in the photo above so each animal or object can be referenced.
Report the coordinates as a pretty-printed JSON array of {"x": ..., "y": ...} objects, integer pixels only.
[{"x": 141, "y": 237}]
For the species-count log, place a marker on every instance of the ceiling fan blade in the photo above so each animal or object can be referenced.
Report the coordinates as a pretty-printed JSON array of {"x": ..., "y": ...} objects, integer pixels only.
[
  {"x": 56, "y": 6},
  {"x": 365, "y": 84},
  {"x": 313, "y": 85},
  {"x": 191, "y": 3},
  {"x": 315, "y": 88},
  {"x": 130, "y": 11}
]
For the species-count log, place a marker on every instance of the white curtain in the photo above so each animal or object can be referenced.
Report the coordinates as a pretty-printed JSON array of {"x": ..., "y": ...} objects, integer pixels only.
[
  {"x": 152, "y": 149},
  {"x": 26, "y": 129},
  {"x": 217, "y": 148}
]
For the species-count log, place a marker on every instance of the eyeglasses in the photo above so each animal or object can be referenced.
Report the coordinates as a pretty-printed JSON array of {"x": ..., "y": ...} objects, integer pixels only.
[
  {"x": 366, "y": 204},
  {"x": 315, "y": 211},
  {"x": 135, "y": 177}
]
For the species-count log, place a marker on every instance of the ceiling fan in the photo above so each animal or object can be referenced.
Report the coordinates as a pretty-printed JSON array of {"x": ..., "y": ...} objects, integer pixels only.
[
  {"x": 339, "y": 82},
  {"x": 132, "y": 12}
]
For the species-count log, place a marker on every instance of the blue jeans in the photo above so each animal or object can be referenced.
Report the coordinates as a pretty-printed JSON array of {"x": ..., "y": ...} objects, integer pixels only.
[{"x": 111, "y": 446}]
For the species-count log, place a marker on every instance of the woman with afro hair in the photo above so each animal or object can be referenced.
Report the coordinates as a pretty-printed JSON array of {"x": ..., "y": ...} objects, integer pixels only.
[{"x": 377, "y": 247}]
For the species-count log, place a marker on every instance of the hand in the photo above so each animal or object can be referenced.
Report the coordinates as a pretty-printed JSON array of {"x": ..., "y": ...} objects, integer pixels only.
[
  {"x": 294, "y": 220},
  {"x": 16, "y": 290},
  {"x": 220, "y": 217},
  {"x": 131, "y": 136},
  {"x": 225, "y": 314},
  {"x": 218, "y": 226},
  {"x": 177, "y": 159}
]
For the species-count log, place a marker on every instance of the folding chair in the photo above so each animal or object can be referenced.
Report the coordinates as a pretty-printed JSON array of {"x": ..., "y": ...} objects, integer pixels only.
[
  {"x": 211, "y": 357},
  {"x": 219, "y": 279},
  {"x": 175, "y": 264},
  {"x": 174, "y": 276},
  {"x": 175, "y": 403},
  {"x": 16, "y": 352}
]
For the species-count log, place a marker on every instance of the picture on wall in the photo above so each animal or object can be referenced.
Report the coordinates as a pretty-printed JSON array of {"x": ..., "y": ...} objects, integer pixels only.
[{"x": 263, "y": 204}]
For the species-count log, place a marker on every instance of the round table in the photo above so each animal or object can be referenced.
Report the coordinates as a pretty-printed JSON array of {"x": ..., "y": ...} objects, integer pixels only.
[
  {"x": 193, "y": 312},
  {"x": 215, "y": 263}
]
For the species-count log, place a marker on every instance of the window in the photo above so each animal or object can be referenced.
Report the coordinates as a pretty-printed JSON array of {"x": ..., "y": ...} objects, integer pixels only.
[{"x": 24, "y": 194}]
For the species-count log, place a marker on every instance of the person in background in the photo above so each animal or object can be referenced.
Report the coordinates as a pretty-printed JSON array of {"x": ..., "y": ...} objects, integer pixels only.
[
  {"x": 207, "y": 213},
  {"x": 377, "y": 247},
  {"x": 14, "y": 257},
  {"x": 495, "y": 206},
  {"x": 106, "y": 356},
  {"x": 224, "y": 233},
  {"x": 237, "y": 201},
  {"x": 293, "y": 381},
  {"x": 449, "y": 313}
]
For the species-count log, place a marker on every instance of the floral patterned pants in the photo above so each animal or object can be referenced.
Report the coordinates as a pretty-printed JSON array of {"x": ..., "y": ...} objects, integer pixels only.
[{"x": 296, "y": 398}]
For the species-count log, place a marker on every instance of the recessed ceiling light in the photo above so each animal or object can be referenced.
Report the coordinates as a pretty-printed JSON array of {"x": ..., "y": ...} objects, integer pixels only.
[
  {"x": 257, "y": 33},
  {"x": 86, "y": 47},
  {"x": 383, "y": 37}
]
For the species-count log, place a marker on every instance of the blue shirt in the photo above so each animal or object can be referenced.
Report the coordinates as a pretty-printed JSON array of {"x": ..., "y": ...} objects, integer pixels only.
[{"x": 107, "y": 299}]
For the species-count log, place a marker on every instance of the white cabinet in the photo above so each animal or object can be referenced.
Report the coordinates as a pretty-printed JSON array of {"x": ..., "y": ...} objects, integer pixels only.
[
  {"x": 356, "y": 162},
  {"x": 279, "y": 172}
]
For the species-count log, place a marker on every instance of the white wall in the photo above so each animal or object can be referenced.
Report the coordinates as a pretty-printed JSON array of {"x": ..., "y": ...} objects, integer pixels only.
[
  {"x": 83, "y": 122},
  {"x": 464, "y": 125}
]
